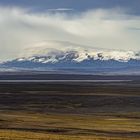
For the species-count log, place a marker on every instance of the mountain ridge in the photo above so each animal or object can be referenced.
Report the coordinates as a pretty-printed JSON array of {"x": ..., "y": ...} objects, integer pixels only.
[
  {"x": 79, "y": 59},
  {"x": 51, "y": 55}
]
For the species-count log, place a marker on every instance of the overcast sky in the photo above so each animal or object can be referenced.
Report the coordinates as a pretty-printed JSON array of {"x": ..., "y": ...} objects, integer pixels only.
[{"x": 111, "y": 24}]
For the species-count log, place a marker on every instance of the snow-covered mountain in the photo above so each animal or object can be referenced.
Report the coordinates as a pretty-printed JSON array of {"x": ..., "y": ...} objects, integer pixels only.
[
  {"x": 74, "y": 56},
  {"x": 78, "y": 57}
]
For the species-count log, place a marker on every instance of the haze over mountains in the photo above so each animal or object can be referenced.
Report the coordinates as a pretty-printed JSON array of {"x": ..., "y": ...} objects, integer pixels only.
[{"x": 59, "y": 55}]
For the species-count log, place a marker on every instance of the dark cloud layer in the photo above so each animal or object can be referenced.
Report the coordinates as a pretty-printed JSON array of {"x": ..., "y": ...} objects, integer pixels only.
[{"x": 79, "y": 5}]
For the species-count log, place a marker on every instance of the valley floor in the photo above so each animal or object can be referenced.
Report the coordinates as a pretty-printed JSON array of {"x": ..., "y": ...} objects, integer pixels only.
[{"x": 71, "y": 110}]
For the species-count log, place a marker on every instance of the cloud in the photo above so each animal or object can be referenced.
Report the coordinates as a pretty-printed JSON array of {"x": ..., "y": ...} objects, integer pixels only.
[
  {"x": 100, "y": 28},
  {"x": 60, "y": 10}
]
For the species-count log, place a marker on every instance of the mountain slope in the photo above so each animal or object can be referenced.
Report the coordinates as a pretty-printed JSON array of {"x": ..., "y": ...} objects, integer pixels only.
[
  {"x": 74, "y": 56},
  {"x": 78, "y": 59}
]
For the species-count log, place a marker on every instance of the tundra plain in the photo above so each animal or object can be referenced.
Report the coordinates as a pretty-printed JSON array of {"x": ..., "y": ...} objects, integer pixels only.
[{"x": 107, "y": 108}]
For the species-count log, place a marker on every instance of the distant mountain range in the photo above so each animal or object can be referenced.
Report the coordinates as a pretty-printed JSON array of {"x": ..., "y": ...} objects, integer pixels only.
[{"x": 89, "y": 60}]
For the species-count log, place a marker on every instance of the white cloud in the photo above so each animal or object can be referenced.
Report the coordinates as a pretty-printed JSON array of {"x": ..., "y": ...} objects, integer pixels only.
[
  {"x": 60, "y": 10},
  {"x": 111, "y": 29}
]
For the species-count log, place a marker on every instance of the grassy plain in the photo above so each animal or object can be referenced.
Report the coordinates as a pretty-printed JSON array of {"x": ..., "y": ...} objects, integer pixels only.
[
  {"x": 70, "y": 111},
  {"x": 23, "y": 125}
]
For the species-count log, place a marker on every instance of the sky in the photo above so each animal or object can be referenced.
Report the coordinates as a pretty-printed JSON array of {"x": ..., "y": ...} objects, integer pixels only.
[{"x": 107, "y": 24}]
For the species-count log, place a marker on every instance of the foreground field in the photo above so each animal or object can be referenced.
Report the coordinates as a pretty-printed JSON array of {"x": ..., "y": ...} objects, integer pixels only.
[
  {"x": 22, "y": 126},
  {"x": 70, "y": 111},
  {"x": 13, "y": 135}
]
